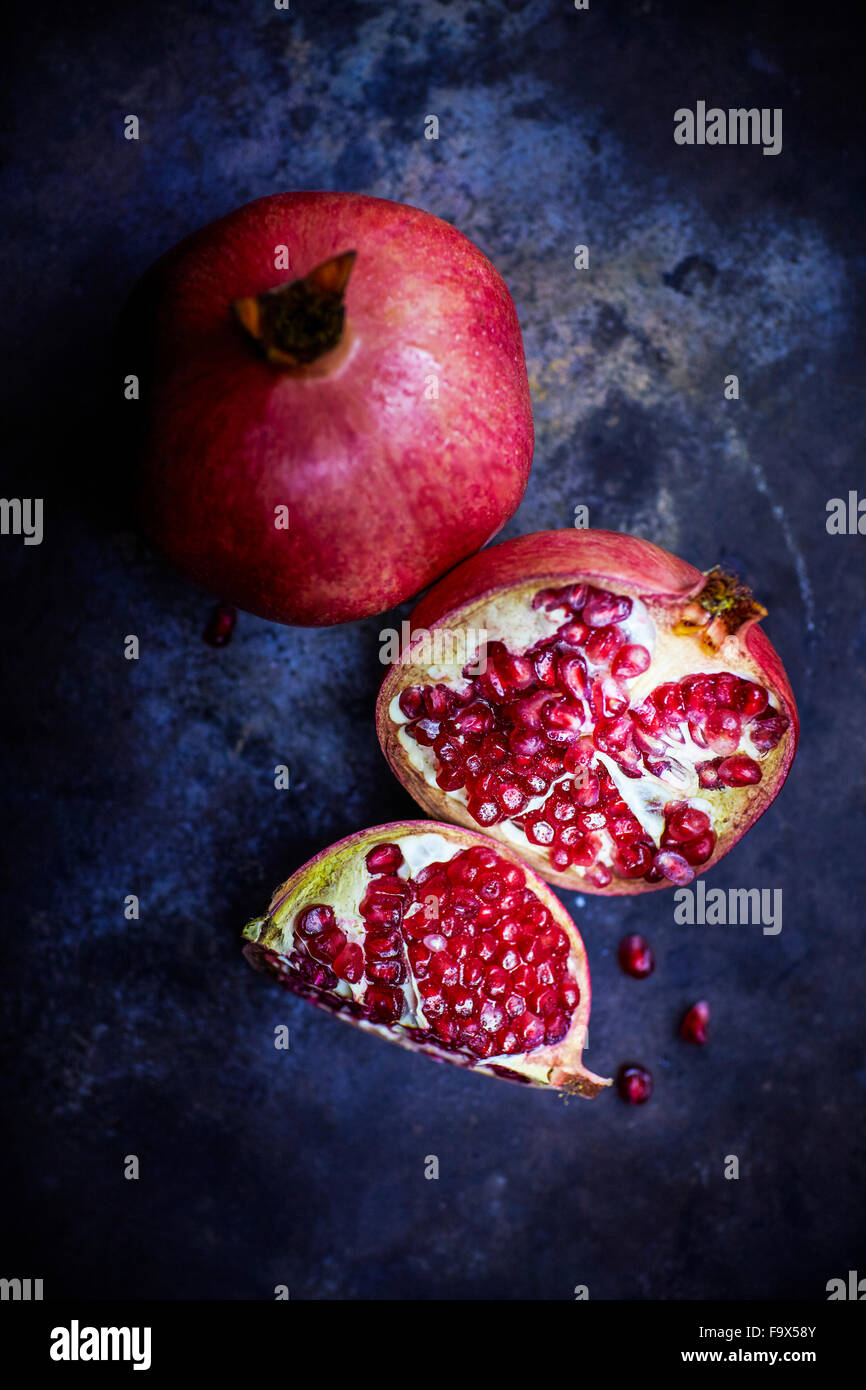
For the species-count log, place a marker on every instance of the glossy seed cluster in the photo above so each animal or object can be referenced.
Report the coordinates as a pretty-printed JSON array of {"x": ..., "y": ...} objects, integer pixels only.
[
  {"x": 523, "y": 737},
  {"x": 463, "y": 953}
]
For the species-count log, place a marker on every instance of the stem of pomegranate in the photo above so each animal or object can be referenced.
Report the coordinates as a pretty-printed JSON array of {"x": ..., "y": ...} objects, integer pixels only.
[{"x": 299, "y": 322}]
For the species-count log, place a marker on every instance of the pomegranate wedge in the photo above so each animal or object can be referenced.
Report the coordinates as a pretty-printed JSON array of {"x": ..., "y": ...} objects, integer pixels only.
[
  {"x": 442, "y": 941},
  {"x": 607, "y": 710}
]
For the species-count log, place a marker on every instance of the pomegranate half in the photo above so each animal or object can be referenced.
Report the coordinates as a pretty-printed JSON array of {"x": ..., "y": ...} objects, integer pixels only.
[
  {"x": 442, "y": 941},
  {"x": 322, "y": 442},
  {"x": 599, "y": 705}
]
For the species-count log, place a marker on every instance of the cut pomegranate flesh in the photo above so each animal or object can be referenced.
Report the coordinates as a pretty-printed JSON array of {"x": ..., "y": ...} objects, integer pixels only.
[
  {"x": 603, "y": 784},
  {"x": 461, "y": 956}
]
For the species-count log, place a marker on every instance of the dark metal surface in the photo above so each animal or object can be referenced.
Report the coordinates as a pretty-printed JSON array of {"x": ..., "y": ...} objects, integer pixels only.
[{"x": 155, "y": 777}]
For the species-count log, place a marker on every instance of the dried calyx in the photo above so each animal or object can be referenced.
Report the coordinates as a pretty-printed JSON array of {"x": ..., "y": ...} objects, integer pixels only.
[{"x": 303, "y": 321}]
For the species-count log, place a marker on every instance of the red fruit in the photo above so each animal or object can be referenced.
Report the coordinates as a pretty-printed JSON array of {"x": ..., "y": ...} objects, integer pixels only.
[
  {"x": 644, "y": 685},
  {"x": 296, "y": 459},
  {"x": 694, "y": 1025},
  {"x": 635, "y": 1084},
  {"x": 517, "y": 987},
  {"x": 636, "y": 957}
]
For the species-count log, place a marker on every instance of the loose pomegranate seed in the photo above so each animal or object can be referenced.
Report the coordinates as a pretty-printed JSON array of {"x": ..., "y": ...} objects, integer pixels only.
[
  {"x": 384, "y": 859},
  {"x": 636, "y": 957},
  {"x": 750, "y": 699},
  {"x": 220, "y": 625},
  {"x": 739, "y": 771},
  {"x": 694, "y": 1025},
  {"x": 635, "y": 1084}
]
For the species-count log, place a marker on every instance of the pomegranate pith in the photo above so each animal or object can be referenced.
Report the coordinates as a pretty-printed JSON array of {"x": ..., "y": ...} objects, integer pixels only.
[
  {"x": 621, "y": 730},
  {"x": 444, "y": 942}
]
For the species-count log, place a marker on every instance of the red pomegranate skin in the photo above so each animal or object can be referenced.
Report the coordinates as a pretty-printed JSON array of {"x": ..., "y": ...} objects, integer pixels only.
[{"x": 386, "y": 489}]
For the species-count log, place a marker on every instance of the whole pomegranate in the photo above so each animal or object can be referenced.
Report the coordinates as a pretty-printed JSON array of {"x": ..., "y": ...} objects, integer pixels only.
[
  {"x": 604, "y": 708},
  {"x": 442, "y": 941},
  {"x": 323, "y": 441}
]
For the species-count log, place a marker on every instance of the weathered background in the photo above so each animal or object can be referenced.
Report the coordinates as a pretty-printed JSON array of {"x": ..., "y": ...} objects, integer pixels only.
[{"x": 156, "y": 777}]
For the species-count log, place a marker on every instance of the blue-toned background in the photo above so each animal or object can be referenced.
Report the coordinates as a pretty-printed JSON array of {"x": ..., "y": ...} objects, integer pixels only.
[{"x": 155, "y": 777}]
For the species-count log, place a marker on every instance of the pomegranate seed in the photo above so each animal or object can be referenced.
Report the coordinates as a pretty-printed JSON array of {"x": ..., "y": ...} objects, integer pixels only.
[
  {"x": 460, "y": 1000},
  {"x": 698, "y": 851},
  {"x": 750, "y": 699},
  {"x": 496, "y": 983},
  {"x": 572, "y": 635},
  {"x": 315, "y": 919},
  {"x": 328, "y": 945},
  {"x": 411, "y": 701},
  {"x": 673, "y": 866},
  {"x": 386, "y": 972},
  {"x": 635, "y": 1084},
  {"x": 383, "y": 946},
  {"x": 507, "y": 1041},
  {"x": 438, "y": 701},
  {"x": 602, "y": 608},
  {"x": 485, "y": 946},
  {"x": 600, "y": 875},
  {"x": 486, "y": 812},
  {"x": 424, "y": 731},
  {"x": 726, "y": 688},
  {"x": 539, "y": 831},
  {"x": 492, "y": 1016},
  {"x": 515, "y": 1005},
  {"x": 686, "y": 822},
  {"x": 723, "y": 731},
  {"x": 560, "y": 858},
  {"x": 633, "y": 861},
  {"x": 569, "y": 994},
  {"x": 384, "y": 1004},
  {"x": 766, "y": 733},
  {"x": 668, "y": 700},
  {"x": 472, "y": 974},
  {"x": 511, "y": 798},
  {"x": 545, "y": 667},
  {"x": 694, "y": 1025},
  {"x": 636, "y": 957},
  {"x": 419, "y": 959},
  {"x": 708, "y": 775},
  {"x": 603, "y": 645},
  {"x": 555, "y": 1029},
  {"x": 630, "y": 661},
  {"x": 220, "y": 625},
  {"x": 444, "y": 969},
  {"x": 739, "y": 771},
  {"x": 384, "y": 859},
  {"x": 349, "y": 964},
  {"x": 571, "y": 676},
  {"x": 530, "y": 1028},
  {"x": 508, "y": 958}
]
